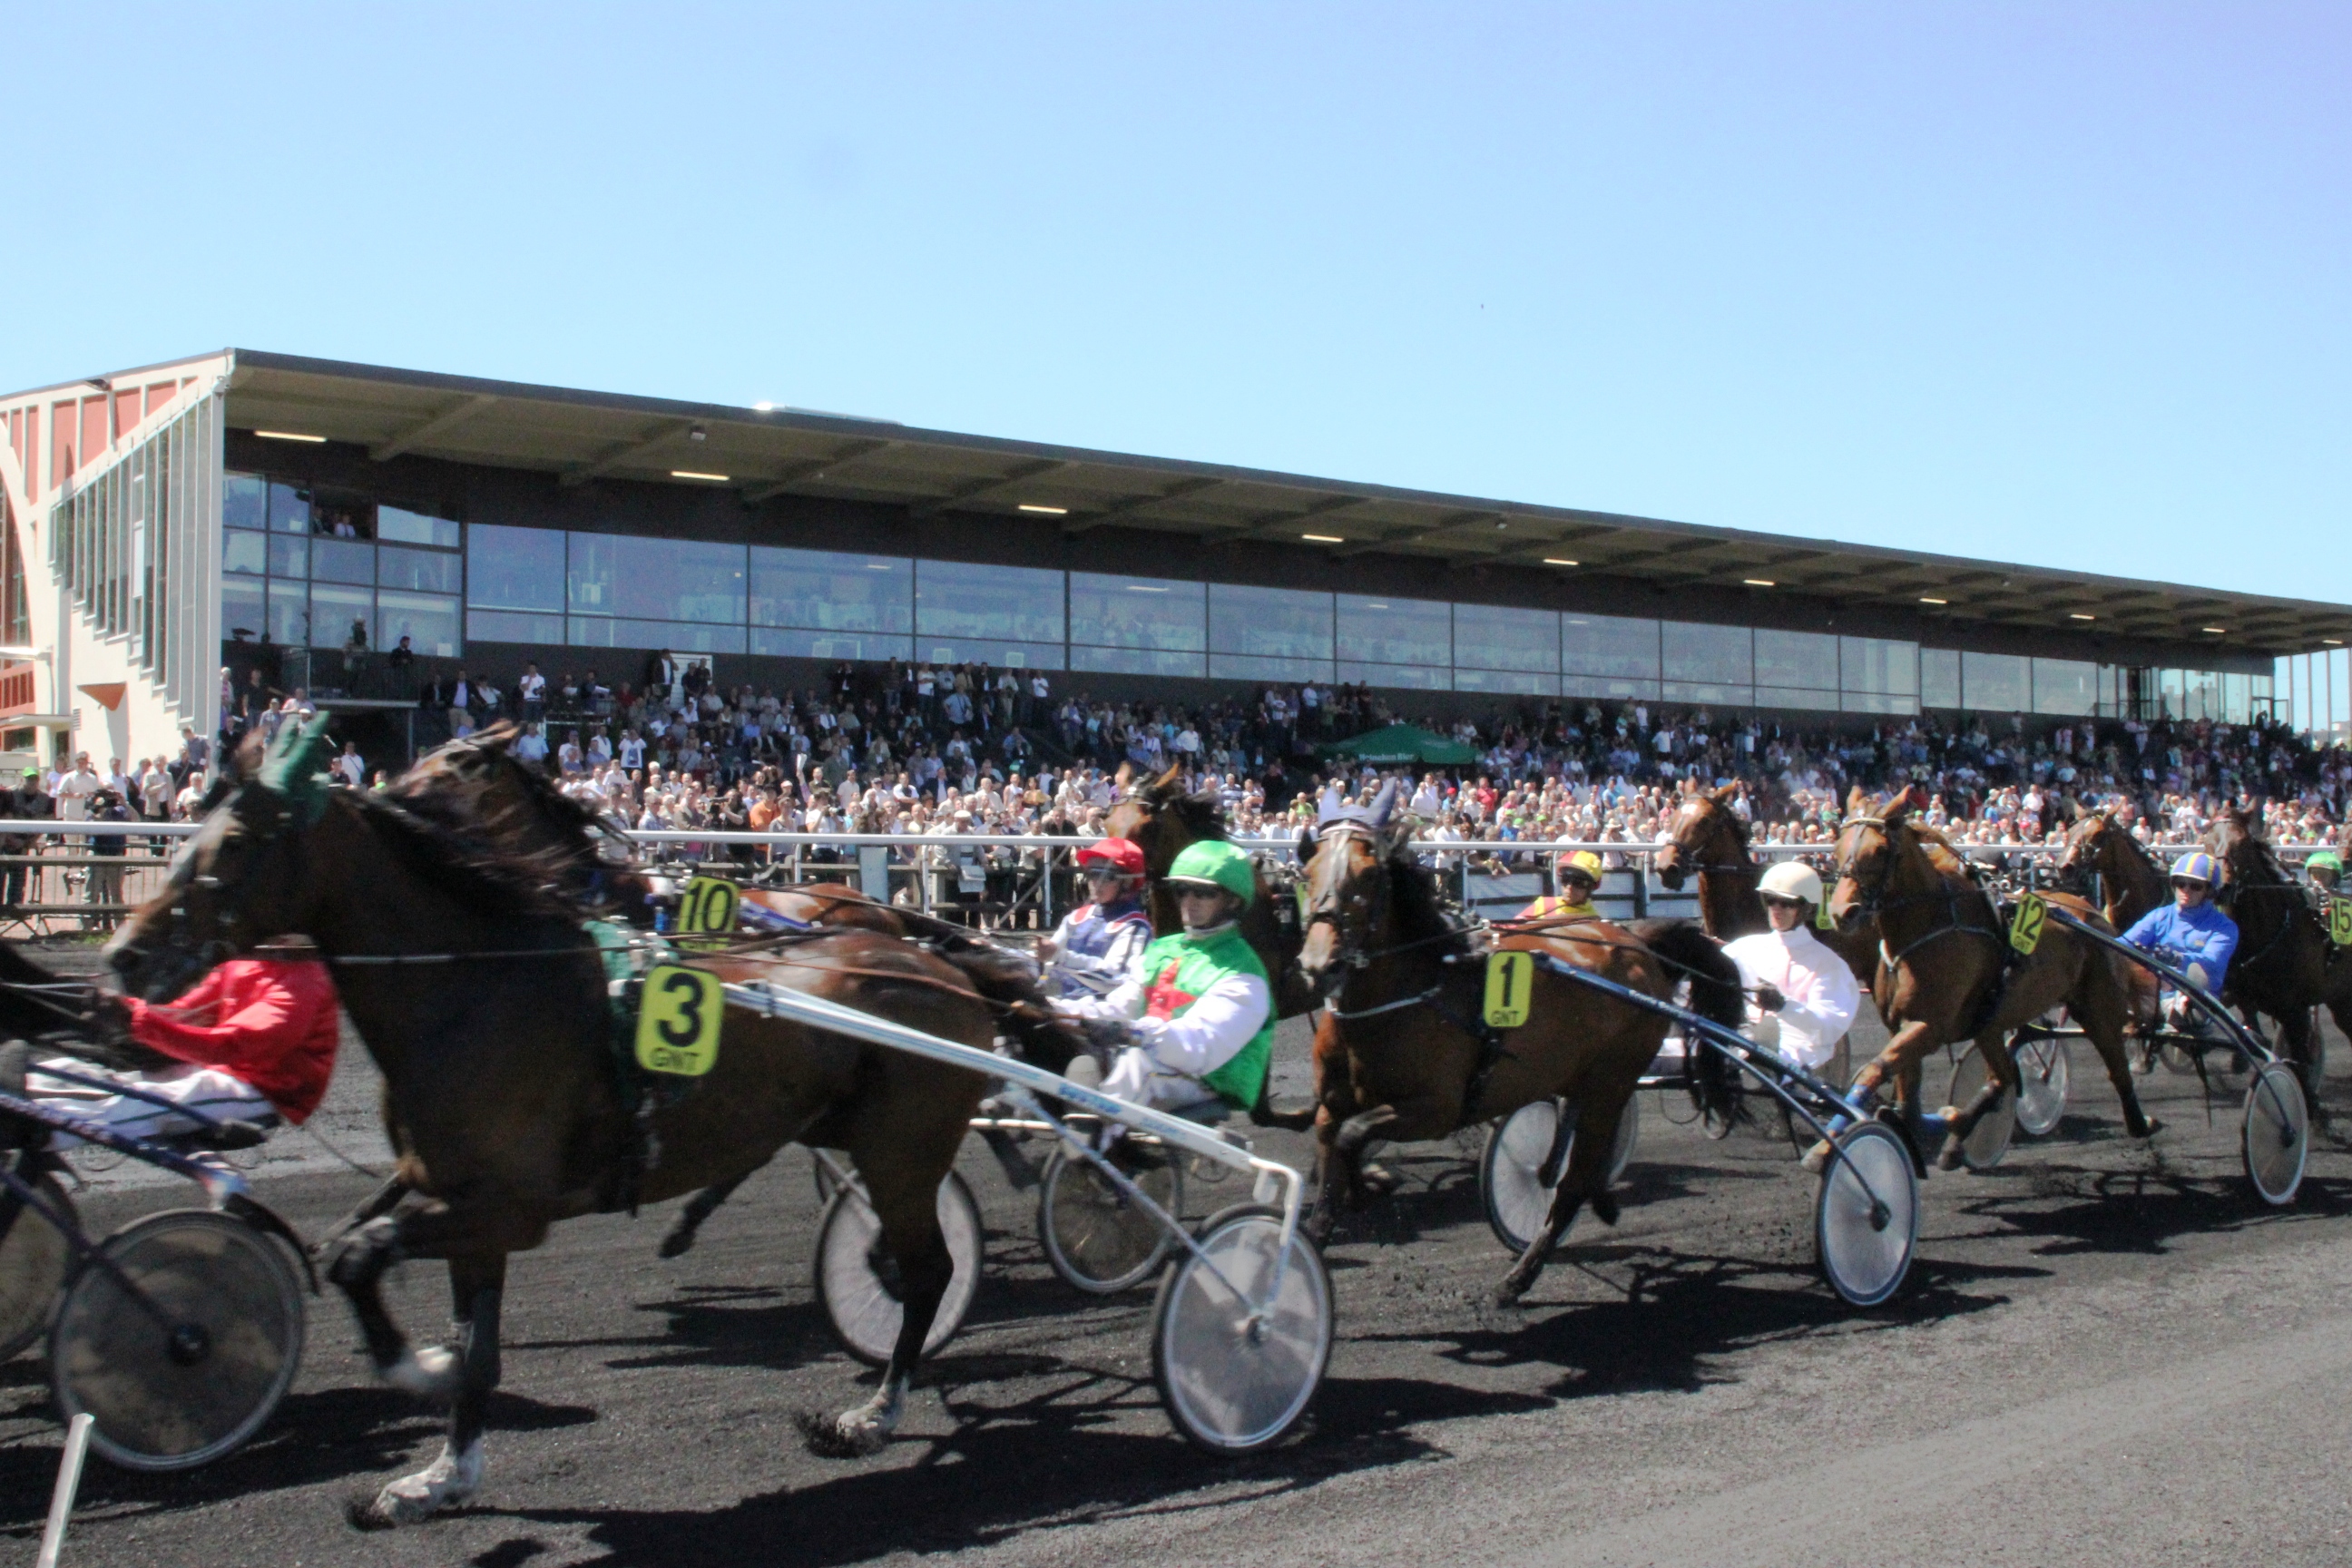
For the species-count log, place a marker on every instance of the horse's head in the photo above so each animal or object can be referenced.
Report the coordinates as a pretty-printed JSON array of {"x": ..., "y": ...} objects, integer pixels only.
[
  {"x": 1346, "y": 880},
  {"x": 1870, "y": 852},
  {"x": 2090, "y": 841},
  {"x": 1704, "y": 836},
  {"x": 1159, "y": 819},
  {"x": 239, "y": 881}
]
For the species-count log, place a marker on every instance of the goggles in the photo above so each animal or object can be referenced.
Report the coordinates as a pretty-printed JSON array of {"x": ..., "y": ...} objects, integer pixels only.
[
  {"x": 2183, "y": 882},
  {"x": 1782, "y": 901}
]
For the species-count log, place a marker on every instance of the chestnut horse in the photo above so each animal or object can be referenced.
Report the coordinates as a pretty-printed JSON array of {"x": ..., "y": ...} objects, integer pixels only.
[
  {"x": 503, "y": 1095},
  {"x": 1402, "y": 1056},
  {"x": 1954, "y": 975}
]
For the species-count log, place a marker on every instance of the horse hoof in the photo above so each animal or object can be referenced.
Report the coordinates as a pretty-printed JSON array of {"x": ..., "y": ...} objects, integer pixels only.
[
  {"x": 853, "y": 1435},
  {"x": 1378, "y": 1181},
  {"x": 449, "y": 1481},
  {"x": 1948, "y": 1157},
  {"x": 1604, "y": 1208},
  {"x": 2155, "y": 1125},
  {"x": 1506, "y": 1295},
  {"x": 428, "y": 1374},
  {"x": 1816, "y": 1159}
]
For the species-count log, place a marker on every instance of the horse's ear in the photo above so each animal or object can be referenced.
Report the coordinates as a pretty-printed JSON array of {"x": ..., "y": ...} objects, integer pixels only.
[
  {"x": 1332, "y": 804},
  {"x": 1383, "y": 804},
  {"x": 1856, "y": 803},
  {"x": 1306, "y": 844},
  {"x": 1727, "y": 794},
  {"x": 1899, "y": 808},
  {"x": 1168, "y": 784}
]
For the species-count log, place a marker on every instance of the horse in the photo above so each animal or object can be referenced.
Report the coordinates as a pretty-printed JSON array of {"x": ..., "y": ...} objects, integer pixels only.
[
  {"x": 2281, "y": 968},
  {"x": 1402, "y": 1055},
  {"x": 1942, "y": 990},
  {"x": 503, "y": 1099}
]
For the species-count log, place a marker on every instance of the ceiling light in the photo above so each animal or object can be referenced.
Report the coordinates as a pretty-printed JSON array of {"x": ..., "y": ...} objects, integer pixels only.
[
  {"x": 1558, "y": 561},
  {"x": 1046, "y": 510},
  {"x": 1760, "y": 581},
  {"x": 1144, "y": 588},
  {"x": 1324, "y": 538},
  {"x": 2333, "y": 642},
  {"x": 763, "y": 408},
  {"x": 1924, "y": 600},
  {"x": 877, "y": 566},
  {"x": 291, "y": 436},
  {"x": 697, "y": 435},
  {"x": 2216, "y": 631},
  {"x": 2079, "y": 615},
  {"x": 690, "y": 474}
]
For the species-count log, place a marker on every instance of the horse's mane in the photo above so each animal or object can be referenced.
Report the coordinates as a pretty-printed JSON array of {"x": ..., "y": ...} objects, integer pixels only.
[
  {"x": 478, "y": 874},
  {"x": 1940, "y": 853},
  {"x": 543, "y": 834},
  {"x": 2262, "y": 861},
  {"x": 1202, "y": 813},
  {"x": 1419, "y": 908}
]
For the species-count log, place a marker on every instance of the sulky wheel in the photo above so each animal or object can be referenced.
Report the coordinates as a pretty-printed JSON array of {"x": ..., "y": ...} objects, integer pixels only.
[
  {"x": 1095, "y": 1235},
  {"x": 857, "y": 1280},
  {"x": 1237, "y": 1368},
  {"x": 1866, "y": 1234},
  {"x": 1516, "y": 1203},
  {"x": 1989, "y": 1141},
  {"x": 2277, "y": 1134},
  {"x": 35, "y": 1258},
  {"x": 189, "y": 1381},
  {"x": 2043, "y": 1082}
]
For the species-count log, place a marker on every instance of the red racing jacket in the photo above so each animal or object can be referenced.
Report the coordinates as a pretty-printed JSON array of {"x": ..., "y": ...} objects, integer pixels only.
[{"x": 266, "y": 1020}]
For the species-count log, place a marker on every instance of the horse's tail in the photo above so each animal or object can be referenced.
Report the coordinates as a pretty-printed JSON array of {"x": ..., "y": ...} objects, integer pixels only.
[{"x": 1715, "y": 995}]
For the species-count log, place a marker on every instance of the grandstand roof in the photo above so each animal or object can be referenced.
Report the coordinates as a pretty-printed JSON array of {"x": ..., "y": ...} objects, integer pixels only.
[{"x": 763, "y": 453}]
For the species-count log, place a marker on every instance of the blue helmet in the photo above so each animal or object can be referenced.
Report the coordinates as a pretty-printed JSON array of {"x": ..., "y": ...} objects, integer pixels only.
[{"x": 2194, "y": 867}]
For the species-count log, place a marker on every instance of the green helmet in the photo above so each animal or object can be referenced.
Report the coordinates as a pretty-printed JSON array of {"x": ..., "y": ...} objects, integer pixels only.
[
  {"x": 2326, "y": 860},
  {"x": 1218, "y": 863}
]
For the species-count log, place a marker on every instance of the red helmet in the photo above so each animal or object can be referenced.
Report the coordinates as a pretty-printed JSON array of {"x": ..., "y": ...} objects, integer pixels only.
[{"x": 1125, "y": 856}]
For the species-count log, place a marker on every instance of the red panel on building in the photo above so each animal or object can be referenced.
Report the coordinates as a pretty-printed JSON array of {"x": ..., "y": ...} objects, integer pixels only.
[
  {"x": 160, "y": 394},
  {"x": 126, "y": 410},
  {"x": 61, "y": 439},
  {"x": 16, "y": 688},
  {"x": 94, "y": 437}
]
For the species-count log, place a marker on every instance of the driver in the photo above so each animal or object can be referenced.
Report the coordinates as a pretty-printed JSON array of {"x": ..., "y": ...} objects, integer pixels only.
[
  {"x": 1801, "y": 996},
  {"x": 2326, "y": 871},
  {"x": 2192, "y": 935},
  {"x": 254, "y": 1041},
  {"x": 1198, "y": 1005},
  {"x": 1093, "y": 949},
  {"x": 1577, "y": 875}
]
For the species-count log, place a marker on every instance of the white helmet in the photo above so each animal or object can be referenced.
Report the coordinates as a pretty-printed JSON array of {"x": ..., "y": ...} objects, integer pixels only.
[{"x": 1792, "y": 879}]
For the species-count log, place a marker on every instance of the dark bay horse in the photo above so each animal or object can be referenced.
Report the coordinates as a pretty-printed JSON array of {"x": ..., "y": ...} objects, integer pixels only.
[
  {"x": 2282, "y": 967},
  {"x": 1955, "y": 976},
  {"x": 1401, "y": 1055},
  {"x": 502, "y": 1095}
]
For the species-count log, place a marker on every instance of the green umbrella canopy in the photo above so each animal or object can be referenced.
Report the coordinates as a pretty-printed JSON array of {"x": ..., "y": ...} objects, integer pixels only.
[{"x": 1402, "y": 744}]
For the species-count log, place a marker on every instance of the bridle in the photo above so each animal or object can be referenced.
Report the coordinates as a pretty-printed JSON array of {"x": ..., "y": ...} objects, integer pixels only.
[
  {"x": 227, "y": 902},
  {"x": 1353, "y": 955}
]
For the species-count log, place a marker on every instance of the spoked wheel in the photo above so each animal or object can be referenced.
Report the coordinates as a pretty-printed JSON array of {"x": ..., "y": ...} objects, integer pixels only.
[
  {"x": 1990, "y": 1139},
  {"x": 2041, "y": 1093},
  {"x": 1095, "y": 1235},
  {"x": 1866, "y": 1234},
  {"x": 2278, "y": 1133},
  {"x": 1236, "y": 1369},
  {"x": 1516, "y": 1202},
  {"x": 184, "y": 1391},
  {"x": 33, "y": 1261},
  {"x": 857, "y": 1280}
]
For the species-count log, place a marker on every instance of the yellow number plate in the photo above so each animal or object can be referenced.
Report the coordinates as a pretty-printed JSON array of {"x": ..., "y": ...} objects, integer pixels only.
[
  {"x": 707, "y": 907},
  {"x": 2339, "y": 921},
  {"x": 677, "y": 1026},
  {"x": 2025, "y": 926},
  {"x": 1822, "y": 920},
  {"x": 1510, "y": 976}
]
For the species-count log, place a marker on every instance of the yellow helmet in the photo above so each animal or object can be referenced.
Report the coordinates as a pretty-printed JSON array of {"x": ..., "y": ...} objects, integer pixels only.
[{"x": 1580, "y": 863}]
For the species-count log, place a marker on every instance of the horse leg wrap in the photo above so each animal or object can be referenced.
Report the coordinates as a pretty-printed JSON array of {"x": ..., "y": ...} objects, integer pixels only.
[
  {"x": 366, "y": 1254},
  {"x": 477, "y": 1342}
]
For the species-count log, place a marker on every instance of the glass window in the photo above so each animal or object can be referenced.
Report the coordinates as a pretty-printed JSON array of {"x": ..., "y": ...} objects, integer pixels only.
[
  {"x": 290, "y": 614},
  {"x": 796, "y": 642},
  {"x": 1493, "y": 637},
  {"x": 245, "y": 502},
  {"x": 1378, "y": 630},
  {"x": 1400, "y": 677},
  {"x": 244, "y": 552},
  {"x": 514, "y": 568},
  {"x": 334, "y": 608},
  {"x": 342, "y": 561},
  {"x": 290, "y": 510},
  {"x": 1802, "y": 697},
  {"x": 977, "y": 651},
  {"x": 1875, "y": 664},
  {"x": 2110, "y": 697},
  {"x": 289, "y": 556},
  {"x": 1995, "y": 682},
  {"x": 427, "y": 571},
  {"x": 1509, "y": 682},
  {"x": 1808, "y": 660},
  {"x": 1609, "y": 645},
  {"x": 1280, "y": 622},
  {"x": 683, "y": 637},
  {"x": 1620, "y": 687},
  {"x": 1939, "y": 678},
  {"x": 243, "y": 607},
  {"x": 986, "y": 603},
  {"x": 1878, "y": 702},
  {"x": 2064, "y": 688},
  {"x": 2237, "y": 694},
  {"x": 1142, "y": 612},
  {"x": 659, "y": 580},
  {"x": 512, "y": 625},
  {"x": 1721, "y": 694},
  {"x": 1136, "y": 660},
  {"x": 832, "y": 592},
  {"x": 1267, "y": 667},
  {"x": 429, "y": 622},
  {"x": 415, "y": 527},
  {"x": 1709, "y": 655}
]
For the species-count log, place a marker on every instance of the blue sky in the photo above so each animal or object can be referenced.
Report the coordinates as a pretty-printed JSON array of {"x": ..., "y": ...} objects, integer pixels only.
[{"x": 2062, "y": 284}]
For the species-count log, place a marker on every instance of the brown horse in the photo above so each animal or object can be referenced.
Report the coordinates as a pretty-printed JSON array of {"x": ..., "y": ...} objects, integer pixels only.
[
  {"x": 2282, "y": 967},
  {"x": 1955, "y": 975},
  {"x": 1401, "y": 1054},
  {"x": 2131, "y": 883},
  {"x": 502, "y": 1094}
]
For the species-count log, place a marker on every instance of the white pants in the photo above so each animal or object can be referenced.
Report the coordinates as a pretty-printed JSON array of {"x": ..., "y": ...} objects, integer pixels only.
[
  {"x": 223, "y": 1097},
  {"x": 1135, "y": 1077}
]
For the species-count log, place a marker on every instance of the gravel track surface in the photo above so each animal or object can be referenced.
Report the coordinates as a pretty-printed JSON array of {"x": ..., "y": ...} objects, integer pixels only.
[{"x": 2106, "y": 1353}]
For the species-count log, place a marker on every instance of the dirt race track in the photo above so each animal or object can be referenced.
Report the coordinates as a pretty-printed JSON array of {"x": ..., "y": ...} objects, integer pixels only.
[{"x": 2105, "y": 1354}]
